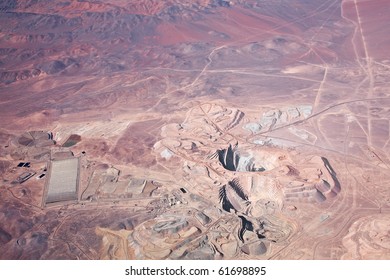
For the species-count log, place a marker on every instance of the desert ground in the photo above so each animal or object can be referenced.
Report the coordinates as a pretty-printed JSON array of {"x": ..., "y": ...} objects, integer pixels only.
[{"x": 205, "y": 129}]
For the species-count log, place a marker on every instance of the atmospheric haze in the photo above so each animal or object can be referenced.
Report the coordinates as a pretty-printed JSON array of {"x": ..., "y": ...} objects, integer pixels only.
[{"x": 205, "y": 129}]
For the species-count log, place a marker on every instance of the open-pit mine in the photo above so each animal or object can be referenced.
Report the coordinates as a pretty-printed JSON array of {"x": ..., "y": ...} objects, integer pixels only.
[{"x": 194, "y": 129}]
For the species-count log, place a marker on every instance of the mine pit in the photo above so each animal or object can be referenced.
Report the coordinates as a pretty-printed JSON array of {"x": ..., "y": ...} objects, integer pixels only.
[
  {"x": 256, "y": 248},
  {"x": 247, "y": 160},
  {"x": 245, "y": 226},
  {"x": 232, "y": 197}
]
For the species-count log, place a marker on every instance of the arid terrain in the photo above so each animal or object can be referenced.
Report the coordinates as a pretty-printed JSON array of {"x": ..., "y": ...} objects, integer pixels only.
[{"x": 204, "y": 129}]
